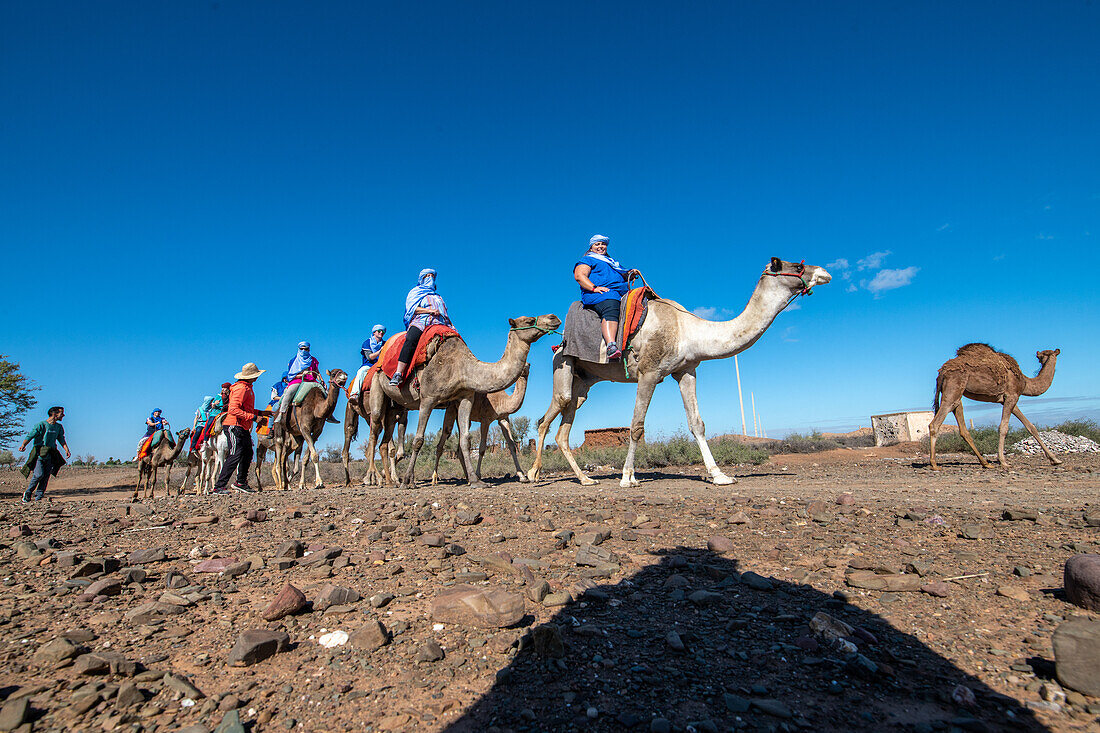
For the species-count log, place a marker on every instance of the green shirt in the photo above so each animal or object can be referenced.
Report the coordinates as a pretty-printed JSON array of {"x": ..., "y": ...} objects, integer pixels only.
[{"x": 47, "y": 434}]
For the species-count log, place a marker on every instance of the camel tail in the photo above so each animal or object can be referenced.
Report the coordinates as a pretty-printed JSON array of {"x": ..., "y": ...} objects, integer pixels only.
[
  {"x": 936, "y": 395},
  {"x": 354, "y": 424}
]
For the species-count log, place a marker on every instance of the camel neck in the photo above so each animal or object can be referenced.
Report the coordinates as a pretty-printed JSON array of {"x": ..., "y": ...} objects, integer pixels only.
[
  {"x": 325, "y": 409},
  {"x": 514, "y": 401},
  {"x": 494, "y": 376},
  {"x": 722, "y": 339},
  {"x": 1040, "y": 383}
]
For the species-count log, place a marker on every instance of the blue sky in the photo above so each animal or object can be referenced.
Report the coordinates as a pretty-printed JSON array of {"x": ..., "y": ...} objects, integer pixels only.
[{"x": 190, "y": 186}]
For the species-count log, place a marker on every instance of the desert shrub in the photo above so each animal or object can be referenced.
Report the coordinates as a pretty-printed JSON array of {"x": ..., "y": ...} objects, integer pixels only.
[
  {"x": 1084, "y": 427},
  {"x": 799, "y": 443},
  {"x": 984, "y": 437}
]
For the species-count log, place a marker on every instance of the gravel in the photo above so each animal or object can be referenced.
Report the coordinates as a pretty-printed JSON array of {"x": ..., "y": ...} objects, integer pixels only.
[{"x": 1058, "y": 443}]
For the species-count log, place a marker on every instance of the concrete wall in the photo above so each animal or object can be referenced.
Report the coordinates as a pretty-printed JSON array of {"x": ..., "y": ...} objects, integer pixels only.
[{"x": 896, "y": 427}]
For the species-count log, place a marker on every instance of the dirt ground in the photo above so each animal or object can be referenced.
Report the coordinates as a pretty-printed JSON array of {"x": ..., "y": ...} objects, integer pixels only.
[{"x": 675, "y": 605}]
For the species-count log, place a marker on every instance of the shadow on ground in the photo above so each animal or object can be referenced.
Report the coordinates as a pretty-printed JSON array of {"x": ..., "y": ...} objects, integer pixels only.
[{"x": 689, "y": 644}]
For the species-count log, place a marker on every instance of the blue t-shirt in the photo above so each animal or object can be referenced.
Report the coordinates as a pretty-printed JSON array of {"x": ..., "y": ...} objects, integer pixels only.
[
  {"x": 370, "y": 346},
  {"x": 603, "y": 275}
]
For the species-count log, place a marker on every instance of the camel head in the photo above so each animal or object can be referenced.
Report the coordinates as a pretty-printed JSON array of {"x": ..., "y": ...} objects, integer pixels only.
[
  {"x": 531, "y": 329},
  {"x": 182, "y": 434},
  {"x": 796, "y": 276},
  {"x": 1047, "y": 355},
  {"x": 337, "y": 376}
]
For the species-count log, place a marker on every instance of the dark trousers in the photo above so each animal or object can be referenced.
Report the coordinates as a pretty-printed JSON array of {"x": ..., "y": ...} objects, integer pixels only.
[
  {"x": 412, "y": 338},
  {"x": 40, "y": 478},
  {"x": 239, "y": 458}
]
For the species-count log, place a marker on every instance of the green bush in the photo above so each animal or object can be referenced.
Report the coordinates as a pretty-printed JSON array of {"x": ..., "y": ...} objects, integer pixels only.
[{"x": 986, "y": 437}]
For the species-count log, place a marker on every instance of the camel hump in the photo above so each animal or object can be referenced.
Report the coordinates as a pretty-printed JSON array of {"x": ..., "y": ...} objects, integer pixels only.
[{"x": 975, "y": 349}]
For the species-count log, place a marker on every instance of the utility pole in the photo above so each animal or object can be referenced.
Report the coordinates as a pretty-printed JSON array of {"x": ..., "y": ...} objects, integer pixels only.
[
  {"x": 755, "y": 424},
  {"x": 740, "y": 398}
]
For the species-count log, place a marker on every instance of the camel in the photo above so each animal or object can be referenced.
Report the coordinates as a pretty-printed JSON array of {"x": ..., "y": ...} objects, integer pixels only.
[
  {"x": 672, "y": 342},
  {"x": 352, "y": 412},
  {"x": 162, "y": 455},
  {"x": 453, "y": 374},
  {"x": 986, "y": 375},
  {"x": 487, "y": 408},
  {"x": 304, "y": 424},
  {"x": 265, "y": 444}
]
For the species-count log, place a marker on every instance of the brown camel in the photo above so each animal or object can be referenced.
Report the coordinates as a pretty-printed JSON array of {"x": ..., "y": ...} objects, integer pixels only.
[
  {"x": 487, "y": 408},
  {"x": 304, "y": 424},
  {"x": 672, "y": 342},
  {"x": 455, "y": 375},
  {"x": 265, "y": 445},
  {"x": 986, "y": 375},
  {"x": 395, "y": 416},
  {"x": 164, "y": 454}
]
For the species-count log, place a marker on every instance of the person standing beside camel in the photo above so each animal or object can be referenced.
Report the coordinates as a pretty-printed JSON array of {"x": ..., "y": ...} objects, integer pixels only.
[
  {"x": 424, "y": 307},
  {"x": 44, "y": 460},
  {"x": 603, "y": 283},
  {"x": 238, "y": 430},
  {"x": 371, "y": 350}
]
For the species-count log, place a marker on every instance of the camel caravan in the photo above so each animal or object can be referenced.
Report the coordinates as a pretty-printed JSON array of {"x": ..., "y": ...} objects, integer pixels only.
[{"x": 616, "y": 332}]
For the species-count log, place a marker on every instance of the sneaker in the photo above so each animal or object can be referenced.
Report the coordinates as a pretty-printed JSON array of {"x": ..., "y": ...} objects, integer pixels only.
[
  {"x": 26, "y": 498},
  {"x": 613, "y": 352},
  {"x": 556, "y": 347},
  {"x": 220, "y": 492},
  {"x": 395, "y": 380},
  {"x": 333, "y": 419},
  {"x": 242, "y": 489}
]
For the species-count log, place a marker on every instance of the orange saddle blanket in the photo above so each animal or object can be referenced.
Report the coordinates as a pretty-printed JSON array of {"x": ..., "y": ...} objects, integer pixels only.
[{"x": 391, "y": 351}]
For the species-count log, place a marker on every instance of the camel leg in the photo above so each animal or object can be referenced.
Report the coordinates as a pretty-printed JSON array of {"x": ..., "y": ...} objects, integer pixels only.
[
  {"x": 167, "y": 480},
  {"x": 484, "y": 434},
  {"x": 961, "y": 420},
  {"x": 698, "y": 428},
  {"x": 465, "y": 408},
  {"x": 1002, "y": 431},
  {"x": 510, "y": 441},
  {"x": 426, "y": 407},
  {"x": 444, "y": 436},
  {"x": 646, "y": 385},
  {"x": 261, "y": 453},
  {"x": 351, "y": 425},
  {"x": 561, "y": 396},
  {"x": 567, "y": 414},
  {"x": 950, "y": 397},
  {"x": 1035, "y": 434}
]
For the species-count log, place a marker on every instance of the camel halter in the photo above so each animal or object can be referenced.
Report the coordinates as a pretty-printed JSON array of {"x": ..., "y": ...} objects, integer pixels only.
[{"x": 806, "y": 288}]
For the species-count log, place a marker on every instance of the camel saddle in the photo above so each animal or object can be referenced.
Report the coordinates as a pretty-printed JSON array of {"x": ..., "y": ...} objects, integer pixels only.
[
  {"x": 429, "y": 343},
  {"x": 304, "y": 388},
  {"x": 162, "y": 435},
  {"x": 582, "y": 337}
]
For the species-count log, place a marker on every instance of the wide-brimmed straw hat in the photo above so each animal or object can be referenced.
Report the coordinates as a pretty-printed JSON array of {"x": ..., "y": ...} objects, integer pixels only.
[{"x": 249, "y": 371}]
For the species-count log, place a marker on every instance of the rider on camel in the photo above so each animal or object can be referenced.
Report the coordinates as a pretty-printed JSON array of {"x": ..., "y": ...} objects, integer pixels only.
[
  {"x": 424, "y": 307},
  {"x": 371, "y": 350},
  {"x": 304, "y": 367},
  {"x": 603, "y": 283},
  {"x": 153, "y": 423}
]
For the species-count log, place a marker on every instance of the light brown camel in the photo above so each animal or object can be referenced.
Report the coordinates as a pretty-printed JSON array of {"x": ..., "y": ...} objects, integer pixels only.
[
  {"x": 164, "y": 454},
  {"x": 453, "y": 374},
  {"x": 357, "y": 408},
  {"x": 304, "y": 424},
  {"x": 487, "y": 408},
  {"x": 986, "y": 375},
  {"x": 672, "y": 342}
]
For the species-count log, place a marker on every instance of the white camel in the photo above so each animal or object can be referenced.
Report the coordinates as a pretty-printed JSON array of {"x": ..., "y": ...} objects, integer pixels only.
[{"x": 672, "y": 342}]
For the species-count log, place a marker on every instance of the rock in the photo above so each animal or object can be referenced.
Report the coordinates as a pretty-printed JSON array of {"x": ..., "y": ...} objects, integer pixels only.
[
  {"x": 380, "y": 600},
  {"x": 129, "y": 696},
  {"x": 720, "y": 544},
  {"x": 27, "y": 550},
  {"x": 591, "y": 555},
  {"x": 893, "y": 583},
  {"x": 937, "y": 588},
  {"x": 429, "y": 651},
  {"x": 674, "y": 641},
  {"x": 433, "y": 540},
  {"x": 486, "y": 608},
  {"x": 14, "y": 713},
  {"x": 201, "y": 519},
  {"x": 214, "y": 565},
  {"x": 594, "y": 537},
  {"x": 1016, "y": 593},
  {"x": 756, "y": 581},
  {"x": 557, "y": 599},
  {"x": 920, "y": 566},
  {"x": 773, "y": 707},
  {"x": 151, "y": 611},
  {"x": 740, "y": 518},
  {"x": 845, "y": 500},
  {"x": 104, "y": 587},
  {"x": 94, "y": 565},
  {"x": 231, "y": 723},
  {"x": 372, "y": 635},
  {"x": 142, "y": 557},
  {"x": 289, "y": 549},
  {"x": 1077, "y": 655},
  {"x": 467, "y": 518},
  {"x": 134, "y": 575},
  {"x": 333, "y": 639},
  {"x": 183, "y": 686},
  {"x": 1016, "y": 515},
  {"x": 55, "y": 651},
  {"x": 538, "y": 590},
  {"x": 705, "y": 598},
  {"x": 19, "y": 530},
  {"x": 289, "y": 600},
  {"x": 976, "y": 532},
  {"x": 1082, "y": 581},
  {"x": 256, "y": 645},
  {"x": 334, "y": 595},
  {"x": 91, "y": 664}
]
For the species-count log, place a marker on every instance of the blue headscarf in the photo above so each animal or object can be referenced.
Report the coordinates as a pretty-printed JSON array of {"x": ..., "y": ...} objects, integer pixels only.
[
  {"x": 425, "y": 287},
  {"x": 301, "y": 360}
]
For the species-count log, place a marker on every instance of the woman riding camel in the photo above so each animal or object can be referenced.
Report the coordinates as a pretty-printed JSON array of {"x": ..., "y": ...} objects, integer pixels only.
[
  {"x": 371, "y": 350},
  {"x": 153, "y": 423},
  {"x": 603, "y": 283},
  {"x": 304, "y": 367},
  {"x": 423, "y": 307}
]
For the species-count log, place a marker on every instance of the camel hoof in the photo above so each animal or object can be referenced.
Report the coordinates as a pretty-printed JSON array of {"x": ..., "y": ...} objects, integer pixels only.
[
  {"x": 479, "y": 484},
  {"x": 721, "y": 479},
  {"x": 522, "y": 478},
  {"x": 533, "y": 475},
  {"x": 628, "y": 483},
  {"x": 1056, "y": 462},
  {"x": 586, "y": 481}
]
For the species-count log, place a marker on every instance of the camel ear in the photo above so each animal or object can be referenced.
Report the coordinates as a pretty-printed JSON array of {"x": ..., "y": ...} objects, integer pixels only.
[
  {"x": 777, "y": 264},
  {"x": 512, "y": 322},
  {"x": 1057, "y": 352}
]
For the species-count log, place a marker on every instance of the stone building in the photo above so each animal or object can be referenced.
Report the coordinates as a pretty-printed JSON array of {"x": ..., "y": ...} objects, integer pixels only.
[{"x": 896, "y": 427}]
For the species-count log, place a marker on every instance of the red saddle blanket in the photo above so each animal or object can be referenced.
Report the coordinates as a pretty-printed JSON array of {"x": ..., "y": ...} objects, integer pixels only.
[
  {"x": 633, "y": 313},
  {"x": 391, "y": 352}
]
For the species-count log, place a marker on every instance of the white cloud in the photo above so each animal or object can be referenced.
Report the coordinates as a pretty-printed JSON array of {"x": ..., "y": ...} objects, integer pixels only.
[
  {"x": 851, "y": 288},
  {"x": 790, "y": 333},
  {"x": 1045, "y": 236},
  {"x": 872, "y": 261},
  {"x": 891, "y": 279},
  {"x": 713, "y": 313},
  {"x": 838, "y": 264},
  {"x": 943, "y": 227}
]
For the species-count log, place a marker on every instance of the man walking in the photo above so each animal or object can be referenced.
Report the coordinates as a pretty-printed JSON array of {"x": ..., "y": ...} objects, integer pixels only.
[
  {"x": 45, "y": 460},
  {"x": 238, "y": 430}
]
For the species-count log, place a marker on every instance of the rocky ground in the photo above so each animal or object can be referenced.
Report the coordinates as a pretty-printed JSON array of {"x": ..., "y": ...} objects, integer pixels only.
[{"x": 855, "y": 590}]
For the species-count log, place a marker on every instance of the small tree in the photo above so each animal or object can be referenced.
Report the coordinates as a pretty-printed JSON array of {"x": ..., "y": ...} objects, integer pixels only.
[
  {"x": 495, "y": 438},
  {"x": 16, "y": 398},
  {"x": 521, "y": 428},
  {"x": 7, "y": 458}
]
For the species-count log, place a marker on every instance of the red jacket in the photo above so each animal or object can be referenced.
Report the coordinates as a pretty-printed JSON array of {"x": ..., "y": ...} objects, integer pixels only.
[{"x": 242, "y": 406}]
